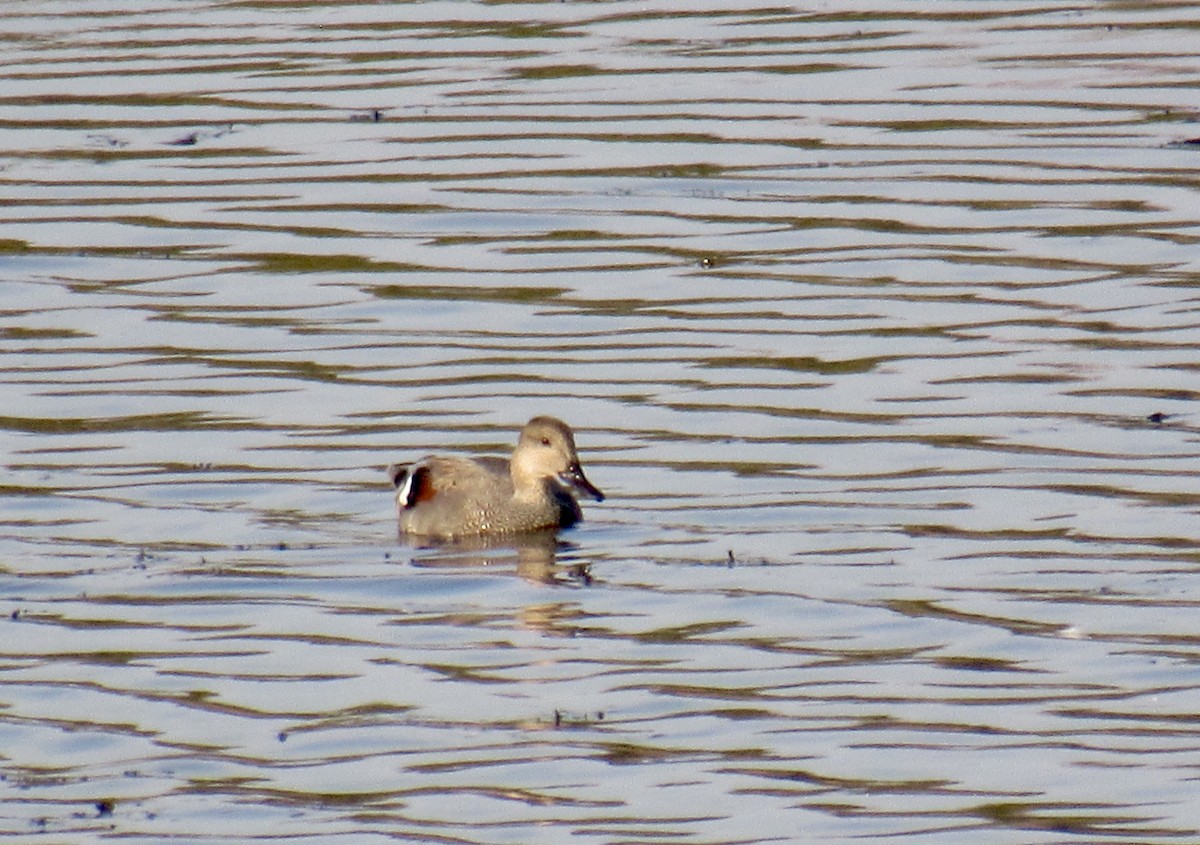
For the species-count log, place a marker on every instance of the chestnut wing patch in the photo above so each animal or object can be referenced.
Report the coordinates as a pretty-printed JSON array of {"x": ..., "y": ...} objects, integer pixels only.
[{"x": 413, "y": 483}]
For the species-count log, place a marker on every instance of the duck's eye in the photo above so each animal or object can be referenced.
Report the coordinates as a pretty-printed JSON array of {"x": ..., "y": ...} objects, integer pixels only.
[{"x": 545, "y": 441}]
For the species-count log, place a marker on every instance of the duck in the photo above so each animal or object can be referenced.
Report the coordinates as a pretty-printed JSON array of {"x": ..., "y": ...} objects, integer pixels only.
[{"x": 452, "y": 497}]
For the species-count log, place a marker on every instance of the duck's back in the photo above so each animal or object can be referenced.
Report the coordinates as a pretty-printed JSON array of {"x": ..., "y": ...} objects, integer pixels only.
[{"x": 456, "y": 497}]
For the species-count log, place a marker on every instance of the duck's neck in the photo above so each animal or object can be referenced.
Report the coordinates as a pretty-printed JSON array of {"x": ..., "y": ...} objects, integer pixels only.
[{"x": 528, "y": 485}]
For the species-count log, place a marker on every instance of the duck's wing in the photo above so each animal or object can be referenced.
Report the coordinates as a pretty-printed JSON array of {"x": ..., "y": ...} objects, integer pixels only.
[
  {"x": 411, "y": 482},
  {"x": 422, "y": 480}
]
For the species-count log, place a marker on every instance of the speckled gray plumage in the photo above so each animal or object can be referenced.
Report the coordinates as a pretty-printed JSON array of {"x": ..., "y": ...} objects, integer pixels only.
[{"x": 451, "y": 497}]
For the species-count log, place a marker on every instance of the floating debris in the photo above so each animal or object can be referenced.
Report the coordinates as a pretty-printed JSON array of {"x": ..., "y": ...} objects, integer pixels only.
[
  {"x": 370, "y": 116},
  {"x": 193, "y": 138}
]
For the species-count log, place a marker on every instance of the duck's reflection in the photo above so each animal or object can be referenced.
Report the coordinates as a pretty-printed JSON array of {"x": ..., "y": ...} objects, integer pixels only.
[{"x": 534, "y": 555}]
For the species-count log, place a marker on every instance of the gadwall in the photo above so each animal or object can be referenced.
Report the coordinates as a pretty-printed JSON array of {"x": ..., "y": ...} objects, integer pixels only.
[{"x": 450, "y": 497}]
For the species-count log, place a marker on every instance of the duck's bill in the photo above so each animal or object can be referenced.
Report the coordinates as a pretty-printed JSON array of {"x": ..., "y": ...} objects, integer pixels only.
[{"x": 574, "y": 477}]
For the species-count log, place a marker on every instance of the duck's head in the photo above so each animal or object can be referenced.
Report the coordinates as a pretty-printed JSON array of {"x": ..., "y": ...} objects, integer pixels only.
[{"x": 546, "y": 450}]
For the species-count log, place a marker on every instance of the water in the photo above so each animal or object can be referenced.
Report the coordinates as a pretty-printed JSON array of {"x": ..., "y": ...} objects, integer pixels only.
[{"x": 877, "y": 323}]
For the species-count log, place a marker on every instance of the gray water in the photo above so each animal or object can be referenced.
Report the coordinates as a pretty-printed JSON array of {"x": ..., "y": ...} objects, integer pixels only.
[{"x": 877, "y": 322}]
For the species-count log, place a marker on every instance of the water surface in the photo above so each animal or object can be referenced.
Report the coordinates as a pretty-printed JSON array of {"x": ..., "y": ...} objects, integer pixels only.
[{"x": 877, "y": 323}]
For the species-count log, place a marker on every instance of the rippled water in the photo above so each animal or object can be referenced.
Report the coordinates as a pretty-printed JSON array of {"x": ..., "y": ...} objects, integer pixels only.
[{"x": 878, "y": 323}]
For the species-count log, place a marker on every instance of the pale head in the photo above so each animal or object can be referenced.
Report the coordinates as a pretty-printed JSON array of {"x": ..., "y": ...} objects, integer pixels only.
[{"x": 546, "y": 450}]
